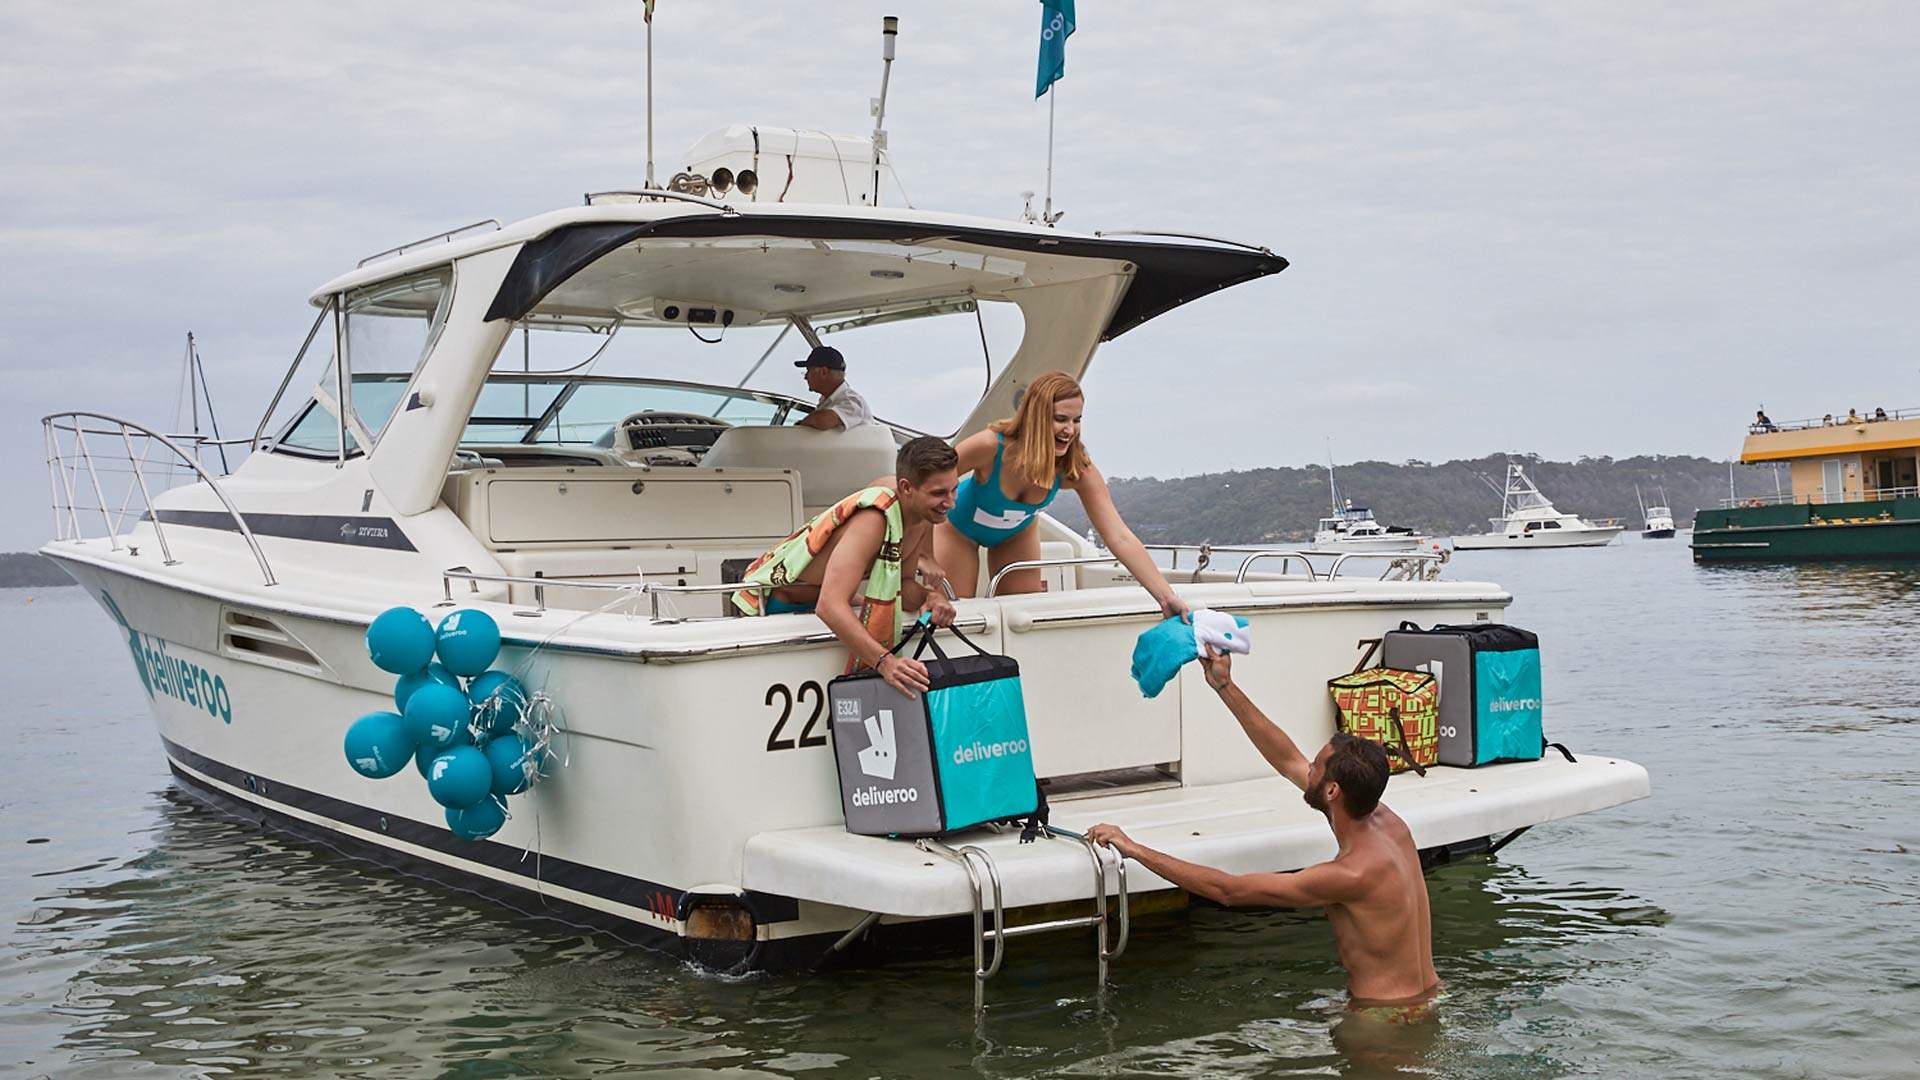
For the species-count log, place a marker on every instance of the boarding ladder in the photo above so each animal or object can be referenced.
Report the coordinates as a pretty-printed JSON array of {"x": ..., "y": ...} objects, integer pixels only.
[{"x": 976, "y": 862}]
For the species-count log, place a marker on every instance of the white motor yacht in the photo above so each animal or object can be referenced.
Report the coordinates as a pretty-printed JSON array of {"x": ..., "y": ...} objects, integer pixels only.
[
  {"x": 1353, "y": 528},
  {"x": 1528, "y": 520},
  {"x": 691, "y": 800},
  {"x": 1659, "y": 519}
]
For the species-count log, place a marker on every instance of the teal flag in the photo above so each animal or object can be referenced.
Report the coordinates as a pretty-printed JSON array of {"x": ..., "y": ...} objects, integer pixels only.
[{"x": 1056, "y": 23}]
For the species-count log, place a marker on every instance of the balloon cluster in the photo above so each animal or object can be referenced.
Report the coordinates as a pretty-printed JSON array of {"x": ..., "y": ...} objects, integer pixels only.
[{"x": 475, "y": 743}]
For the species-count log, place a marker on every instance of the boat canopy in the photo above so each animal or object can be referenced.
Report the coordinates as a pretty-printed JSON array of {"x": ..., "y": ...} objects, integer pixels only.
[{"x": 768, "y": 268}]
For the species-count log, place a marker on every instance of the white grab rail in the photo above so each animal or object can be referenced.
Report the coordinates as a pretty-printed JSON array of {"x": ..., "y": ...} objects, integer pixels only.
[{"x": 75, "y": 423}]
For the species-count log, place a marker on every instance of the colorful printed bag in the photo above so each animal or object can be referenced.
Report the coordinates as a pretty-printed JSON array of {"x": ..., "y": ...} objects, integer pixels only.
[{"x": 1400, "y": 710}]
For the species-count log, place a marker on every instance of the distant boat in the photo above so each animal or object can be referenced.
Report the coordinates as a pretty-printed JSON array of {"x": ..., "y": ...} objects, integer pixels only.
[
  {"x": 1528, "y": 520},
  {"x": 1659, "y": 519},
  {"x": 1352, "y": 528},
  {"x": 1854, "y": 493}
]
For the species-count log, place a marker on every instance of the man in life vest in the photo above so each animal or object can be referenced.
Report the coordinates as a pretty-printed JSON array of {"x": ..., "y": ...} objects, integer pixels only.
[{"x": 870, "y": 535}]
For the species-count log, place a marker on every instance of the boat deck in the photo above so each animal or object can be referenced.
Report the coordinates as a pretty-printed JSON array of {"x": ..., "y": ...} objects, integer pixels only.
[{"x": 1243, "y": 827}]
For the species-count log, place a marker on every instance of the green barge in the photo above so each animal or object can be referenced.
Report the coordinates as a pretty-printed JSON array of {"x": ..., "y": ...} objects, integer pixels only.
[{"x": 1854, "y": 494}]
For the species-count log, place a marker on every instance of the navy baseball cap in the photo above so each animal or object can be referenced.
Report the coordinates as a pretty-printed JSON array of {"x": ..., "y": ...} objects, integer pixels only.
[{"x": 825, "y": 356}]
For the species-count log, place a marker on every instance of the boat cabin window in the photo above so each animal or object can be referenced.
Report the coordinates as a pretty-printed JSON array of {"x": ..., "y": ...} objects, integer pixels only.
[{"x": 388, "y": 329}]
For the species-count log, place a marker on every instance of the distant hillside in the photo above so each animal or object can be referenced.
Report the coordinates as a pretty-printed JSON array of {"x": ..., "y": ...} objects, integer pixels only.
[
  {"x": 1262, "y": 505},
  {"x": 24, "y": 569}
]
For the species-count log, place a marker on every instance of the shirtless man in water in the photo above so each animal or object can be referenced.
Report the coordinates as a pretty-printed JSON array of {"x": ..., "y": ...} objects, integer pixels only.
[{"x": 1372, "y": 890}]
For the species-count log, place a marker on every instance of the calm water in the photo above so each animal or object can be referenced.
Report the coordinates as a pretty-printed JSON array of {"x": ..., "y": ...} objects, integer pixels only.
[{"x": 1759, "y": 916}]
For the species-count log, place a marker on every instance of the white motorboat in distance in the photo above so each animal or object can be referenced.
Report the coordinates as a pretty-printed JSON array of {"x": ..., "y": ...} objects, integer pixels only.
[
  {"x": 1528, "y": 520},
  {"x": 1353, "y": 528},
  {"x": 1659, "y": 519},
  {"x": 597, "y": 520}
]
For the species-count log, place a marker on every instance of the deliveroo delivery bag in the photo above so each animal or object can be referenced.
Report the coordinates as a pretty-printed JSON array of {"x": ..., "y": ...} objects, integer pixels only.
[
  {"x": 953, "y": 758},
  {"x": 1489, "y": 676}
]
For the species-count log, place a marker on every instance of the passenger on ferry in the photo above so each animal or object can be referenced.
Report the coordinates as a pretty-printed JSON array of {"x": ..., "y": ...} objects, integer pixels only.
[
  {"x": 1373, "y": 891},
  {"x": 1853, "y": 417},
  {"x": 1012, "y": 471},
  {"x": 867, "y": 536},
  {"x": 1827, "y": 420},
  {"x": 841, "y": 406},
  {"x": 1761, "y": 423},
  {"x": 1879, "y": 414}
]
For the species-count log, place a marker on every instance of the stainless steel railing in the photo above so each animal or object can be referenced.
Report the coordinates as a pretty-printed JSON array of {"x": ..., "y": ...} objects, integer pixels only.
[
  {"x": 650, "y": 589},
  {"x": 449, "y": 236},
  {"x": 66, "y": 462},
  {"x": 1821, "y": 498},
  {"x": 1410, "y": 565}
]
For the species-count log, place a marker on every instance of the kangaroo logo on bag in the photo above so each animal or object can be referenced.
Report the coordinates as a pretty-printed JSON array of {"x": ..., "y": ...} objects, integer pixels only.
[
  {"x": 952, "y": 757},
  {"x": 878, "y": 758}
]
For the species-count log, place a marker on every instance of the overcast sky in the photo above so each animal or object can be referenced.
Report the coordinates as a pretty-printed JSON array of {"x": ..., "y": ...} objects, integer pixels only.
[{"x": 1592, "y": 228}]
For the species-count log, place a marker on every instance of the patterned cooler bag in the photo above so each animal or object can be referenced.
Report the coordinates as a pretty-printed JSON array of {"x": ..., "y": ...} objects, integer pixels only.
[
  {"x": 950, "y": 759},
  {"x": 1397, "y": 709}
]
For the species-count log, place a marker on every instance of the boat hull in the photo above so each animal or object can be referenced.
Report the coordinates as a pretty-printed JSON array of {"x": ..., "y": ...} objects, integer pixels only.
[
  {"x": 1351, "y": 545},
  {"x": 1554, "y": 538},
  {"x": 670, "y": 796},
  {"x": 1887, "y": 529},
  {"x": 1656, "y": 534}
]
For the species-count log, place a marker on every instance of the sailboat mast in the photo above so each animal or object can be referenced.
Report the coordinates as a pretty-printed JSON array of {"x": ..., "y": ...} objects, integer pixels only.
[{"x": 1333, "y": 489}]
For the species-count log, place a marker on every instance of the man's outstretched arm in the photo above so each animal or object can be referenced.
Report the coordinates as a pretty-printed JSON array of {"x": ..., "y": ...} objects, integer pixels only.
[
  {"x": 1315, "y": 886},
  {"x": 1274, "y": 745}
]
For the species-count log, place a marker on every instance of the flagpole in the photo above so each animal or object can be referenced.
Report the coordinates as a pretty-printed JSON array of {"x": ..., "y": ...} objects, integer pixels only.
[{"x": 1046, "y": 215}]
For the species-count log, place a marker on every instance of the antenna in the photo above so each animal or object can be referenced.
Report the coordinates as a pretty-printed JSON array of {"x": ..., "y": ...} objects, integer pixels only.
[
  {"x": 889, "y": 31},
  {"x": 647, "y": 14}
]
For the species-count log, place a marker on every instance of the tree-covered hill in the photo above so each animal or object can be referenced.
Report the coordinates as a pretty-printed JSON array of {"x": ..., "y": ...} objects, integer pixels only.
[{"x": 1282, "y": 504}]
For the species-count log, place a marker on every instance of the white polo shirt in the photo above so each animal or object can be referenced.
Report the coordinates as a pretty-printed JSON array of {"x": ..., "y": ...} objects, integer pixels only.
[{"x": 851, "y": 407}]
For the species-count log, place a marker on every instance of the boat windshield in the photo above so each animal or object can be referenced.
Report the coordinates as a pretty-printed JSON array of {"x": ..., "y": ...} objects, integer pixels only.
[{"x": 583, "y": 410}]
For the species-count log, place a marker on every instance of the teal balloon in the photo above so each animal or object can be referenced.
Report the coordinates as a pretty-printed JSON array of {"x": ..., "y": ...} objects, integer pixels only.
[
  {"x": 438, "y": 716},
  {"x": 506, "y": 754},
  {"x": 459, "y": 777},
  {"x": 434, "y": 672},
  {"x": 497, "y": 700},
  {"x": 467, "y": 642},
  {"x": 400, "y": 640},
  {"x": 379, "y": 744},
  {"x": 477, "y": 822},
  {"x": 423, "y": 758}
]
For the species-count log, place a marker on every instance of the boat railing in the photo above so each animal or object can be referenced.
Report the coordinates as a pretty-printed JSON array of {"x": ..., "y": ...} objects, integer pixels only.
[
  {"x": 659, "y": 195},
  {"x": 448, "y": 236},
  {"x": 70, "y": 456},
  {"x": 1820, "y": 498},
  {"x": 1410, "y": 565},
  {"x": 1401, "y": 565},
  {"x": 1830, "y": 420},
  {"x": 653, "y": 590}
]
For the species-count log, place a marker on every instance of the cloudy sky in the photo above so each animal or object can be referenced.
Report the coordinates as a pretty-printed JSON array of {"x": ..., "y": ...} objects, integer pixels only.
[{"x": 1580, "y": 228}]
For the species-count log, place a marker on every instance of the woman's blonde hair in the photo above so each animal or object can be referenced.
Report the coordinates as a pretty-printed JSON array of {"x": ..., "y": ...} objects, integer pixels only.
[{"x": 1029, "y": 431}]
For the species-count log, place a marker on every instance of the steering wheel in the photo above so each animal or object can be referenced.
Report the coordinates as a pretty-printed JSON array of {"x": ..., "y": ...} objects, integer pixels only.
[{"x": 668, "y": 423}]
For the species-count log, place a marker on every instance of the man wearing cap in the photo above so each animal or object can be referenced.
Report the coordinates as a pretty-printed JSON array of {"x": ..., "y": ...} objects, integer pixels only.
[{"x": 841, "y": 407}]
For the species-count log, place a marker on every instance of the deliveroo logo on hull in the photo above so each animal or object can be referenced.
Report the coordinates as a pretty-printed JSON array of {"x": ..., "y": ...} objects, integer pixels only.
[{"x": 181, "y": 680}]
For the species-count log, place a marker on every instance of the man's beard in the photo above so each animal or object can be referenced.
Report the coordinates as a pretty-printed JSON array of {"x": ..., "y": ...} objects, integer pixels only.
[{"x": 1316, "y": 797}]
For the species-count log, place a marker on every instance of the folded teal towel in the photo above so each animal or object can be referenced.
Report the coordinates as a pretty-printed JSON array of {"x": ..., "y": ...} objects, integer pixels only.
[{"x": 1162, "y": 648}]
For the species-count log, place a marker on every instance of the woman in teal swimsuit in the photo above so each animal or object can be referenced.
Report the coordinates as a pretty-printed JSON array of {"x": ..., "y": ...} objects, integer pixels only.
[{"x": 1012, "y": 471}]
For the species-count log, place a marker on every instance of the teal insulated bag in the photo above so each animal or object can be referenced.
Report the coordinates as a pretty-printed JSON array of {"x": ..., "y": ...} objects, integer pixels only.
[
  {"x": 1489, "y": 676},
  {"x": 954, "y": 758}
]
